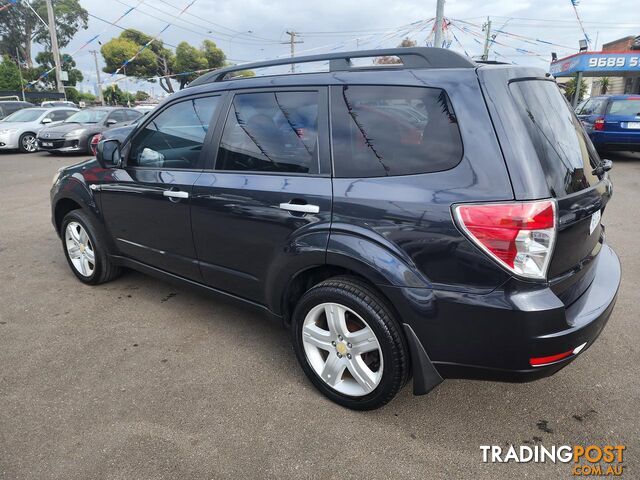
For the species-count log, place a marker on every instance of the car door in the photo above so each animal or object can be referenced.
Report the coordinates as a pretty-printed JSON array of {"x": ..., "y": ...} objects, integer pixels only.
[
  {"x": 268, "y": 199},
  {"x": 146, "y": 202}
]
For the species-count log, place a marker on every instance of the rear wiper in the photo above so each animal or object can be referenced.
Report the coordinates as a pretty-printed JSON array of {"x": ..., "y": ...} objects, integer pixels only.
[{"x": 605, "y": 166}]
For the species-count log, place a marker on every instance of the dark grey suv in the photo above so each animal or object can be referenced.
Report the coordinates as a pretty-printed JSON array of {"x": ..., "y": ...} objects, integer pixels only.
[{"x": 435, "y": 218}]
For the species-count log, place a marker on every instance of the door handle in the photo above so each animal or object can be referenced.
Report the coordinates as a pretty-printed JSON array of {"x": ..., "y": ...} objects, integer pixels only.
[
  {"x": 302, "y": 208},
  {"x": 175, "y": 194}
]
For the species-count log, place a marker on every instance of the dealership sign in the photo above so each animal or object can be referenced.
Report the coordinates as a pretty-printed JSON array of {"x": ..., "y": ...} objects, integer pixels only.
[{"x": 595, "y": 63}]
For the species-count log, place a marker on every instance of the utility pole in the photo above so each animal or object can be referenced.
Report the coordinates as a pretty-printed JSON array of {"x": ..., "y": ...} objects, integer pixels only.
[
  {"x": 292, "y": 44},
  {"x": 487, "y": 39},
  {"x": 54, "y": 46},
  {"x": 95, "y": 58},
  {"x": 20, "y": 70},
  {"x": 437, "y": 42}
]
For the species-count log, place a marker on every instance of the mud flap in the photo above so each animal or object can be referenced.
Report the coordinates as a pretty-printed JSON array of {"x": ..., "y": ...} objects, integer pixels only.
[{"x": 425, "y": 375}]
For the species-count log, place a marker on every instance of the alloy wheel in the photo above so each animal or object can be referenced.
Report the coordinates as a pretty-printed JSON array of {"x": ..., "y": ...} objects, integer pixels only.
[
  {"x": 80, "y": 249},
  {"x": 29, "y": 143},
  {"x": 342, "y": 349}
]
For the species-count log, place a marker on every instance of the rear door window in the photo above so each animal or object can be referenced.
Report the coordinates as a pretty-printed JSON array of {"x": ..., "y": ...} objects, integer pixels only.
[
  {"x": 273, "y": 132},
  {"x": 382, "y": 131},
  {"x": 565, "y": 152}
]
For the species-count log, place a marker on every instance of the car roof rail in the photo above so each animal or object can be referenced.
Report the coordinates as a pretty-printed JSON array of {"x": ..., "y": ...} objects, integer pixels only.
[{"x": 413, "y": 57}]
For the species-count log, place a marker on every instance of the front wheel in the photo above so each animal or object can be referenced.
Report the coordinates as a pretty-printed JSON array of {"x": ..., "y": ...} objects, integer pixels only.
[
  {"x": 28, "y": 143},
  {"x": 86, "y": 250},
  {"x": 349, "y": 344}
]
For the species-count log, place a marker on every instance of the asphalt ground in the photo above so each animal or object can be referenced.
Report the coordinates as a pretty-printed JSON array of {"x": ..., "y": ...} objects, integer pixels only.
[{"x": 139, "y": 379}]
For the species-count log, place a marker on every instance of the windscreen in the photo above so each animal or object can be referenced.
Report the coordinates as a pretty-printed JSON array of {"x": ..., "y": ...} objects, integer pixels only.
[
  {"x": 88, "y": 116},
  {"x": 25, "y": 115},
  {"x": 565, "y": 152}
]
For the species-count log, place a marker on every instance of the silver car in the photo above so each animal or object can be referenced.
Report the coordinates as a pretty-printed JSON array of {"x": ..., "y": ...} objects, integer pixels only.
[{"x": 20, "y": 129}]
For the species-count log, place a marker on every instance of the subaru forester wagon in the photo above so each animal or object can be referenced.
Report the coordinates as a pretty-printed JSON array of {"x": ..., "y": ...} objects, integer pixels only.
[{"x": 430, "y": 219}]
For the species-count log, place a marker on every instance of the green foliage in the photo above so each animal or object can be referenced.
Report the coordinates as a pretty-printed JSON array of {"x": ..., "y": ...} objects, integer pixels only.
[
  {"x": 9, "y": 75},
  {"x": 155, "y": 60},
  {"x": 141, "y": 96},
  {"x": 604, "y": 85},
  {"x": 189, "y": 59},
  {"x": 45, "y": 63},
  {"x": 570, "y": 88},
  {"x": 113, "y": 95},
  {"x": 19, "y": 26},
  {"x": 214, "y": 55}
]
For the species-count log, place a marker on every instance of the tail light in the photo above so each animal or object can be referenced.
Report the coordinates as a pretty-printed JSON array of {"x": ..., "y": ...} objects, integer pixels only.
[
  {"x": 518, "y": 235},
  {"x": 94, "y": 142},
  {"x": 599, "y": 124}
]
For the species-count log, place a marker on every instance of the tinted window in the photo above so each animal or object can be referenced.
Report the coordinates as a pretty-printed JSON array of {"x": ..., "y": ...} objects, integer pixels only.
[
  {"x": 174, "y": 138},
  {"x": 630, "y": 106},
  {"x": 565, "y": 152},
  {"x": 379, "y": 131},
  {"x": 271, "y": 132}
]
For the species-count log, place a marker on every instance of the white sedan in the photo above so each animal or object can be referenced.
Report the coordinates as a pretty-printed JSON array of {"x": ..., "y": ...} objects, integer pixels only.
[{"x": 20, "y": 129}]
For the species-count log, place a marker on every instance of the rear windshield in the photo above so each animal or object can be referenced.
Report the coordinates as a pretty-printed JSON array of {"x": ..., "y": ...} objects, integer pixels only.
[
  {"x": 563, "y": 148},
  {"x": 627, "y": 106}
]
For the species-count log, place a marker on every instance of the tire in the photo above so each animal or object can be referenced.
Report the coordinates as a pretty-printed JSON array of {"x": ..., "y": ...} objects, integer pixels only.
[
  {"x": 322, "y": 350},
  {"x": 28, "y": 143},
  {"x": 89, "y": 262}
]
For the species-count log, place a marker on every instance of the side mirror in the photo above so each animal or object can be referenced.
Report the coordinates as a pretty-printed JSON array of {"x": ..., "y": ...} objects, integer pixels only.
[
  {"x": 46, "y": 120},
  {"x": 108, "y": 153},
  {"x": 110, "y": 122}
]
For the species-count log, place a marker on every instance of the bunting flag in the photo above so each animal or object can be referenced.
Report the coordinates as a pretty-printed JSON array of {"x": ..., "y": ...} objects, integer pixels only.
[{"x": 574, "y": 4}]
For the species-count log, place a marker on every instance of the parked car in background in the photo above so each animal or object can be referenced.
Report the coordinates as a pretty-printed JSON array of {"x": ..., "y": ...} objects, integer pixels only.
[
  {"x": 7, "y": 107},
  {"x": 145, "y": 108},
  {"x": 20, "y": 129},
  {"x": 58, "y": 103},
  {"x": 114, "y": 133},
  {"x": 612, "y": 122},
  {"x": 470, "y": 248},
  {"x": 76, "y": 132}
]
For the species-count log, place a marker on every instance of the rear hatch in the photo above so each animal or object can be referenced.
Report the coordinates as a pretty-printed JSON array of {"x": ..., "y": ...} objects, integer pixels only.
[
  {"x": 623, "y": 116},
  {"x": 549, "y": 154}
]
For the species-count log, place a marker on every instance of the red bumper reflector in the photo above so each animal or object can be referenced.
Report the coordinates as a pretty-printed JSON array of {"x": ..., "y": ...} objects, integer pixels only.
[{"x": 539, "y": 361}]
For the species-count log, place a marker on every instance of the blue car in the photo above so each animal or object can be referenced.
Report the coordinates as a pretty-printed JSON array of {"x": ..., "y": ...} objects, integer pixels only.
[{"x": 612, "y": 122}]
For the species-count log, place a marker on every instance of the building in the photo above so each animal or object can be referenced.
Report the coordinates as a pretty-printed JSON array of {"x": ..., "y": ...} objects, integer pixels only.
[{"x": 627, "y": 82}]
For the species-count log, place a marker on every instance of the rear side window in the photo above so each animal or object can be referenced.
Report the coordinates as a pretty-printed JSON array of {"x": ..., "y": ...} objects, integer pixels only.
[
  {"x": 271, "y": 132},
  {"x": 593, "y": 106},
  {"x": 381, "y": 131},
  {"x": 565, "y": 152},
  {"x": 627, "y": 106},
  {"x": 174, "y": 138}
]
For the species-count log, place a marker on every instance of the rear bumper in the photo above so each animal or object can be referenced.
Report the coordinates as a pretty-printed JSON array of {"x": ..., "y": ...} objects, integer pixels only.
[
  {"x": 495, "y": 336},
  {"x": 629, "y": 141}
]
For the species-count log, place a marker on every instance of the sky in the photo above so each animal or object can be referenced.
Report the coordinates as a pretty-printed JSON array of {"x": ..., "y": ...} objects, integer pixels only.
[{"x": 334, "y": 25}]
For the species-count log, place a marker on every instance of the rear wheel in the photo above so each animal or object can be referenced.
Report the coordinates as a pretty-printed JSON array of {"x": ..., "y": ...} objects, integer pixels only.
[
  {"x": 349, "y": 344},
  {"x": 86, "y": 250},
  {"x": 28, "y": 143}
]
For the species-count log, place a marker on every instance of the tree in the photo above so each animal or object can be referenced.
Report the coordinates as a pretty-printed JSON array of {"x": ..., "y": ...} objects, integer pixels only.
[
  {"x": 113, "y": 95},
  {"x": 215, "y": 56},
  {"x": 9, "y": 75},
  {"x": 405, "y": 43},
  {"x": 45, "y": 63},
  {"x": 19, "y": 26},
  {"x": 604, "y": 85},
  {"x": 141, "y": 96},
  {"x": 154, "y": 60},
  {"x": 570, "y": 88},
  {"x": 189, "y": 59}
]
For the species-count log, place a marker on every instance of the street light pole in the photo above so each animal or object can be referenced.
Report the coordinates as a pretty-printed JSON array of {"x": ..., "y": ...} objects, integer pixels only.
[
  {"x": 100, "y": 95},
  {"x": 487, "y": 40}
]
